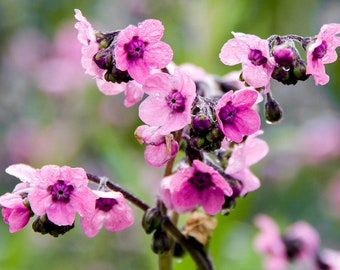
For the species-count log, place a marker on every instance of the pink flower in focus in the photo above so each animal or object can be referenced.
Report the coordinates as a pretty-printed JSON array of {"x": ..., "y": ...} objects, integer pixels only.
[
  {"x": 61, "y": 192},
  {"x": 322, "y": 51},
  {"x": 199, "y": 185},
  {"x": 235, "y": 116},
  {"x": 243, "y": 156},
  {"x": 269, "y": 242},
  {"x": 159, "y": 148},
  {"x": 87, "y": 37},
  {"x": 139, "y": 49},
  {"x": 15, "y": 213},
  {"x": 253, "y": 53},
  {"x": 111, "y": 210},
  {"x": 169, "y": 102}
]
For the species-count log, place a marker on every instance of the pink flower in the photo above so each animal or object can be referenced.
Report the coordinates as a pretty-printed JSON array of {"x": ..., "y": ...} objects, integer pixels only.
[
  {"x": 199, "y": 185},
  {"x": 139, "y": 49},
  {"x": 235, "y": 116},
  {"x": 159, "y": 148},
  {"x": 300, "y": 243},
  {"x": 330, "y": 258},
  {"x": 61, "y": 192},
  {"x": 270, "y": 243},
  {"x": 111, "y": 210},
  {"x": 15, "y": 213},
  {"x": 307, "y": 237},
  {"x": 170, "y": 100},
  {"x": 243, "y": 156},
  {"x": 87, "y": 37},
  {"x": 253, "y": 53},
  {"x": 322, "y": 51}
]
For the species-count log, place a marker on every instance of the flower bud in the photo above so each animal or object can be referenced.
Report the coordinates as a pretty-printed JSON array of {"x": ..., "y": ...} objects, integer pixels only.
[
  {"x": 300, "y": 70},
  {"x": 152, "y": 219},
  {"x": 43, "y": 225},
  {"x": 283, "y": 55},
  {"x": 160, "y": 242},
  {"x": 273, "y": 110},
  {"x": 201, "y": 123},
  {"x": 103, "y": 59}
]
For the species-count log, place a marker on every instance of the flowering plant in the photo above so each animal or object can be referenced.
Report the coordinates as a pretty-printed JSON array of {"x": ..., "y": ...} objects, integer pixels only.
[{"x": 204, "y": 129}]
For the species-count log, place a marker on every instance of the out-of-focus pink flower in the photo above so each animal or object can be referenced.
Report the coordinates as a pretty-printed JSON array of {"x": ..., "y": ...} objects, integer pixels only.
[
  {"x": 139, "y": 49},
  {"x": 61, "y": 192},
  {"x": 329, "y": 258},
  {"x": 111, "y": 211},
  {"x": 322, "y": 51},
  {"x": 253, "y": 53},
  {"x": 299, "y": 244},
  {"x": 307, "y": 237},
  {"x": 15, "y": 213},
  {"x": 169, "y": 102},
  {"x": 159, "y": 148},
  {"x": 243, "y": 156},
  {"x": 235, "y": 115},
  {"x": 269, "y": 243},
  {"x": 190, "y": 187}
]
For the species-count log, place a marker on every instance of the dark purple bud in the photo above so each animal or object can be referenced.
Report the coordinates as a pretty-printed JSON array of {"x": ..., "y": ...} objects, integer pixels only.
[
  {"x": 201, "y": 123},
  {"x": 160, "y": 242},
  {"x": 273, "y": 111},
  {"x": 44, "y": 226},
  {"x": 103, "y": 59},
  {"x": 300, "y": 70},
  {"x": 152, "y": 219},
  {"x": 283, "y": 56}
]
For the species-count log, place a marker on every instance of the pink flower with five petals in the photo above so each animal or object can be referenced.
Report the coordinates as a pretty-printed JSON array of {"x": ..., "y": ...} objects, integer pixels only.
[
  {"x": 253, "y": 53},
  {"x": 322, "y": 51},
  {"x": 235, "y": 115},
  {"x": 169, "y": 102},
  {"x": 61, "y": 192},
  {"x": 139, "y": 49},
  {"x": 190, "y": 187}
]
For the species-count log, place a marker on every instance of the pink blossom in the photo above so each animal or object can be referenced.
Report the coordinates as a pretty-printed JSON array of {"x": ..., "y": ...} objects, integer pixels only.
[
  {"x": 169, "y": 102},
  {"x": 235, "y": 116},
  {"x": 199, "y": 185},
  {"x": 307, "y": 236},
  {"x": 139, "y": 49},
  {"x": 159, "y": 148},
  {"x": 331, "y": 258},
  {"x": 322, "y": 51},
  {"x": 15, "y": 213},
  {"x": 87, "y": 37},
  {"x": 253, "y": 53},
  {"x": 300, "y": 243},
  {"x": 270, "y": 243},
  {"x": 111, "y": 210},
  {"x": 243, "y": 156},
  {"x": 61, "y": 192}
]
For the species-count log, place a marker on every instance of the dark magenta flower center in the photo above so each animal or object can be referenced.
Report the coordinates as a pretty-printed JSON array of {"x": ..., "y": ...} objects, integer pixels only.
[
  {"x": 320, "y": 50},
  {"x": 105, "y": 204},
  {"x": 256, "y": 57},
  {"x": 176, "y": 101},
  {"x": 201, "y": 180},
  {"x": 61, "y": 191},
  {"x": 135, "y": 48},
  {"x": 227, "y": 113}
]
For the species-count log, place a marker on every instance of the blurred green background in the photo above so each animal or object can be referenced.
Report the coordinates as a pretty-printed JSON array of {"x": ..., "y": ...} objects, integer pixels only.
[{"x": 51, "y": 113}]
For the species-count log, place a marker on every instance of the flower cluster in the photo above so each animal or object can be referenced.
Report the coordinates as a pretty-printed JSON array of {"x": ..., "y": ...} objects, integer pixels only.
[
  {"x": 299, "y": 244},
  {"x": 213, "y": 121},
  {"x": 56, "y": 194}
]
